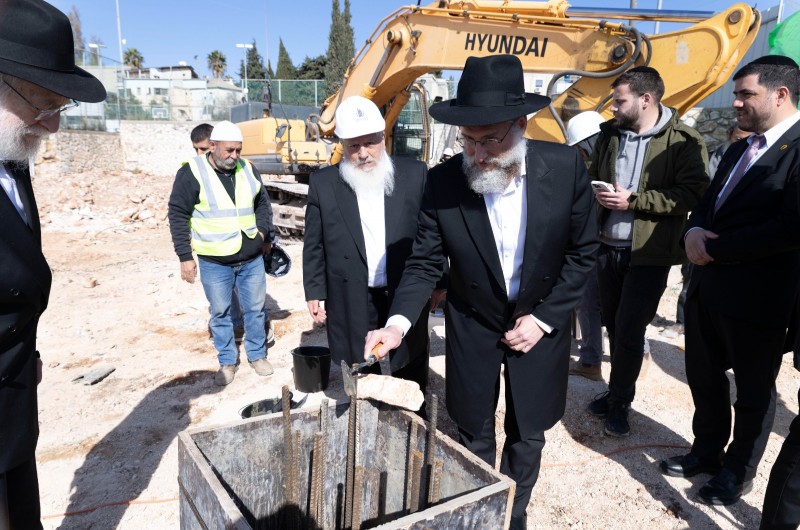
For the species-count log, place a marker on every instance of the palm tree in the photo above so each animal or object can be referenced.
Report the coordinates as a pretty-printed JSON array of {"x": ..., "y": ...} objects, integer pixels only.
[
  {"x": 133, "y": 58},
  {"x": 217, "y": 63}
]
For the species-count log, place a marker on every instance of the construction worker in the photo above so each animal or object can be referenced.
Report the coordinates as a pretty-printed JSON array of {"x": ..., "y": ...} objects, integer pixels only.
[{"x": 219, "y": 208}]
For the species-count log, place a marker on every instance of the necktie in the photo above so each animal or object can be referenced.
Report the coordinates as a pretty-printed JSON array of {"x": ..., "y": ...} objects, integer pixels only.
[{"x": 755, "y": 144}]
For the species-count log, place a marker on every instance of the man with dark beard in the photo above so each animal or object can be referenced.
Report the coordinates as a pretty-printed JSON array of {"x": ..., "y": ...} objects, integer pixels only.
[
  {"x": 515, "y": 219},
  {"x": 657, "y": 166},
  {"x": 38, "y": 80},
  {"x": 219, "y": 208},
  {"x": 361, "y": 220}
]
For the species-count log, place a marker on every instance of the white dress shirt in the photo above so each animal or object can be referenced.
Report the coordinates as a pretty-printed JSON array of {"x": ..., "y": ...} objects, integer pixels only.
[
  {"x": 373, "y": 226},
  {"x": 9, "y": 185}
]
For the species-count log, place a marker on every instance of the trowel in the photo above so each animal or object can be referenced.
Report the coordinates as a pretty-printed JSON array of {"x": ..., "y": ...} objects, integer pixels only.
[{"x": 350, "y": 374}]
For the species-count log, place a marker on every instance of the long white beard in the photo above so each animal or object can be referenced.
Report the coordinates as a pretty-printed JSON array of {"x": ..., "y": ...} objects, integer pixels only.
[
  {"x": 360, "y": 180},
  {"x": 504, "y": 167},
  {"x": 18, "y": 142}
]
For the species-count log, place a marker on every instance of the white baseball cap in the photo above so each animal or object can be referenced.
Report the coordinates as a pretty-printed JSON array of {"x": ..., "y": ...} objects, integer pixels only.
[
  {"x": 358, "y": 116},
  {"x": 226, "y": 131},
  {"x": 583, "y": 125}
]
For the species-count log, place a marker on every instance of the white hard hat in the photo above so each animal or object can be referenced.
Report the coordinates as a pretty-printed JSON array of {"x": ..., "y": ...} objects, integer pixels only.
[
  {"x": 226, "y": 131},
  {"x": 357, "y": 116},
  {"x": 583, "y": 125},
  {"x": 447, "y": 152}
]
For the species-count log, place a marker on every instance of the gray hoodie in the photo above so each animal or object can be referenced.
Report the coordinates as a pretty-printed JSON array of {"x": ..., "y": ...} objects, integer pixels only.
[{"x": 618, "y": 227}]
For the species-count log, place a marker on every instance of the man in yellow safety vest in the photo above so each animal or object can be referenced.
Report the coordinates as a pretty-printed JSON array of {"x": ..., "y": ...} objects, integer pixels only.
[{"x": 219, "y": 208}]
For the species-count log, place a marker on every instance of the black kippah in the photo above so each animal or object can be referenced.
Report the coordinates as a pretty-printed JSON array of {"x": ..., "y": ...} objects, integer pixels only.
[
  {"x": 777, "y": 60},
  {"x": 644, "y": 70}
]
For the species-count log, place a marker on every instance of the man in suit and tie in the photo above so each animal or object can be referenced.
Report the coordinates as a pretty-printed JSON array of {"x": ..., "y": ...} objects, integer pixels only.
[
  {"x": 361, "y": 220},
  {"x": 515, "y": 218},
  {"x": 38, "y": 80},
  {"x": 744, "y": 240}
]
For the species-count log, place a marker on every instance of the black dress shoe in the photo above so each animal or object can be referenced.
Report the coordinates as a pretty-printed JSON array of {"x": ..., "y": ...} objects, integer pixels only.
[
  {"x": 724, "y": 489},
  {"x": 518, "y": 522},
  {"x": 689, "y": 465}
]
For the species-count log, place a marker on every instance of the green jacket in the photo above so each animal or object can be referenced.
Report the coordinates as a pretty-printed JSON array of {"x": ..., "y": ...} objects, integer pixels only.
[{"x": 674, "y": 177}]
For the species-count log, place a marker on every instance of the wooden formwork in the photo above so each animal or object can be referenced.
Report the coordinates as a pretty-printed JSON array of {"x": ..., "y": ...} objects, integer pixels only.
[{"x": 235, "y": 476}]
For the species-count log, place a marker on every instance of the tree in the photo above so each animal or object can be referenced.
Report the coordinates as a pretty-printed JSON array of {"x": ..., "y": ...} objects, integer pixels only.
[
  {"x": 341, "y": 47},
  {"x": 286, "y": 69},
  {"x": 77, "y": 35},
  {"x": 270, "y": 71},
  {"x": 133, "y": 58},
  {"x": 312, "y": 68},
  {"x": 217, "y": 63},
  {"x": 255, "y": 64}
]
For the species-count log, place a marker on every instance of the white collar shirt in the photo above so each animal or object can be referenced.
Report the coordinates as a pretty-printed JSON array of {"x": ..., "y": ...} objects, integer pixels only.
[
  {"x": 508, "y": 215},
  {"x": 373, "y": 226},
  {"x": 9, "y": 184}
]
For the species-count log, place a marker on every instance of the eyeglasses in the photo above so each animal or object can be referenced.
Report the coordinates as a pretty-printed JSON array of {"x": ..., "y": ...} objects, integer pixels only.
[
  {"x": 43, "y": 114},
  {"x": 487, "y": 143}
]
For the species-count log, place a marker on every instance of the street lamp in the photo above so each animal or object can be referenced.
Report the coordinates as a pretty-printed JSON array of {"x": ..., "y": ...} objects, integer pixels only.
[{"x": 245, "y": 47}]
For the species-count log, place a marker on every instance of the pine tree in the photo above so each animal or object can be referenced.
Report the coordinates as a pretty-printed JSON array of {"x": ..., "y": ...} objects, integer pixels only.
[
  {"x": 270, "y": 71},
  {"x": 285, "y": 69},
  {"x": 312, "y": 68},
  {"x": 341, "y": 47},
  {"x": 255, "y": 64}
]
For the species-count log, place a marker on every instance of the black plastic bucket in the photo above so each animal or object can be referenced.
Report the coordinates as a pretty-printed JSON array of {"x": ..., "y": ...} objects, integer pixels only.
[{"x": 312, "y": 366}]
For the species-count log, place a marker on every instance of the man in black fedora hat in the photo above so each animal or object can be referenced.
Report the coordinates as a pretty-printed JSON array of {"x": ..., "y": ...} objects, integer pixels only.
[
  {"x": 38, "y": 80},
  {"x": 515, "y": 218}
]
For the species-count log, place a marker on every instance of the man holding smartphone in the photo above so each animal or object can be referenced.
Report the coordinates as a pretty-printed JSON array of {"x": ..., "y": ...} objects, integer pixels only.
[{"x": 656, "y": 168}]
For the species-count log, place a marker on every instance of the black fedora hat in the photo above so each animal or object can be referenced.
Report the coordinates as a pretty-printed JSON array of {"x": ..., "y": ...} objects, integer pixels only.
[
  {"x": 491, "y": 90},
  {"x": 36, "y": 45}
]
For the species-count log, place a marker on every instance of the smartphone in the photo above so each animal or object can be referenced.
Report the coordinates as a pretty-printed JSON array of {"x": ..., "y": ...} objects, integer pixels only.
[{"x": 599, "y": 185}]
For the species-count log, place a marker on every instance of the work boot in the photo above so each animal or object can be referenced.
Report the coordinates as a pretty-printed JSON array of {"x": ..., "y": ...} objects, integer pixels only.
[
  {"x": 238, "y": 334},
  {"x": 225, "y": 374},
  {"x": 598, "y": 407},
  {"x": 617, "y": 419},
  {"x": 262, "y": 366},
  {"x": 589, "y": 371}
]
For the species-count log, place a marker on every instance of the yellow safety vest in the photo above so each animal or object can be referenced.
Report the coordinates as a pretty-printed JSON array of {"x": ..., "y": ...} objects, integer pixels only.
[{"x": 217, "y": 222}]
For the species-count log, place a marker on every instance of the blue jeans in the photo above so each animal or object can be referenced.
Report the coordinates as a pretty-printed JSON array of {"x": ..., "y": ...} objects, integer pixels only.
[{"x": 249, "y": 281}]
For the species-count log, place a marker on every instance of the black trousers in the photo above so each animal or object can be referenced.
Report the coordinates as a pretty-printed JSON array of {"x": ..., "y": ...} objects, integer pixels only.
[
  {"x": 22, "y": 489},
  {"x": 715, "y": 343},
  {"x": 521, "y": 459},
  {"x": 629, "y": 299},
  {"x": 781, "y": 509}
]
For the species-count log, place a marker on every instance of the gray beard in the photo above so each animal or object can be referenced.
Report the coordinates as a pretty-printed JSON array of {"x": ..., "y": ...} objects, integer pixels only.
[
  {"x": 19, "y": 143},
  {"x": 361, "y": 181},
  {"x": 506, "y": 166}
]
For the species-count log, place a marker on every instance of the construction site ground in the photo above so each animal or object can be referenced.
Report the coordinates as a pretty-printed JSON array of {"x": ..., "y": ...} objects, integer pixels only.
[{"x": 107, "y": 452}]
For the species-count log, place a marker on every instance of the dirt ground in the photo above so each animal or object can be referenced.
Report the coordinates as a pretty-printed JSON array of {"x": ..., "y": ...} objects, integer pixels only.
[{"x": 108, "y": 453}]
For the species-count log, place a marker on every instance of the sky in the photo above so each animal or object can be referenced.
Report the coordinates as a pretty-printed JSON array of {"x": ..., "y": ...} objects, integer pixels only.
[{"x": 167, "y": 32}]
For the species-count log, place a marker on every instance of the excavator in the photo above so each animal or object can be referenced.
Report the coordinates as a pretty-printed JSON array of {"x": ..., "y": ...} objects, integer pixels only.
[{"x": 592, "y": 45}]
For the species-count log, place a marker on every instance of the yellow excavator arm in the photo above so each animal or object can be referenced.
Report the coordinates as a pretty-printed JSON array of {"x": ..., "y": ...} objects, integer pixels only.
[{"x": 548, "y": 38}]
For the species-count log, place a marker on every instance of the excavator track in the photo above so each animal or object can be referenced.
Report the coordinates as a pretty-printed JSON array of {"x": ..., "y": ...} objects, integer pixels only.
[{"x": 288, "y": 206}]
